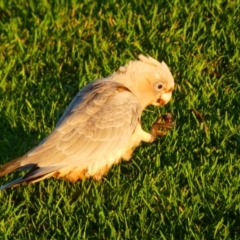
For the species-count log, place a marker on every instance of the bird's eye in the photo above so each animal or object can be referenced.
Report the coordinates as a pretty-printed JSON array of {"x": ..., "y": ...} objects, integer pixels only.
[{"x": 157, "y": 86}]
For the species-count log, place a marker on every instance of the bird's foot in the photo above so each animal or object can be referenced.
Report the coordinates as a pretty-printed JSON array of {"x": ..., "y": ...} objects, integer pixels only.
[{"x": 162, "y": 125}]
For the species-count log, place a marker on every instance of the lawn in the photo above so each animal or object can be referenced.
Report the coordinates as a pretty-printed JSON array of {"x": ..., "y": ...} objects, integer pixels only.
[{"x": 183, "y": 186}]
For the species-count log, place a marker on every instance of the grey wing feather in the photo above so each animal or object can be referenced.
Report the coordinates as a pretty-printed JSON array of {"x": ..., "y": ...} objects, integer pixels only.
[{"x": 104, "y": 116}]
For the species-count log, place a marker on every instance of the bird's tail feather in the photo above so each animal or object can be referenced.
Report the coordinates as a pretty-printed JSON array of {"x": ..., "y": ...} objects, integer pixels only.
[
  {"x": 34, "y": 175},
  {"x": 11, "y": 184},
  {"x": 10, "y": 166}
]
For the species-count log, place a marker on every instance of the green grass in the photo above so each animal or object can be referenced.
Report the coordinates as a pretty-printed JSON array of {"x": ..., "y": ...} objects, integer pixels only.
[{"x": 185, "y": 185}]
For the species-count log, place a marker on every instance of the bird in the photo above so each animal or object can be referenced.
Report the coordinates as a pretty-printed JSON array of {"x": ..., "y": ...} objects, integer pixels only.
[{"x": 101, "y": 126}]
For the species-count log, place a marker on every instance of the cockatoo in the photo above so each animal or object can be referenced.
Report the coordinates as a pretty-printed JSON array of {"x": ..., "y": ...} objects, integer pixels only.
[{"x": 100, "y": 127}]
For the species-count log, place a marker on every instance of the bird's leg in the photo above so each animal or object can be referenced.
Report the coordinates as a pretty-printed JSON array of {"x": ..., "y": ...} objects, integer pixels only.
[{"x": 164, "y": 122}]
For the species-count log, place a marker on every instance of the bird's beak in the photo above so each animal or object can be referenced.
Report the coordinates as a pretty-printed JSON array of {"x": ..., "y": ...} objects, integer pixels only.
[{"x": 164, "y": 99}]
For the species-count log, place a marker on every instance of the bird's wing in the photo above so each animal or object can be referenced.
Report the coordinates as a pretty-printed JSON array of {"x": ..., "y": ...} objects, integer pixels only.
[{"x": 99, "y": 123}]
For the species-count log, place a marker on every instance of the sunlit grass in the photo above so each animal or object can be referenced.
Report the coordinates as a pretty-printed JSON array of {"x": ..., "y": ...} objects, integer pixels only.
[{"x": 185, "y": 185}]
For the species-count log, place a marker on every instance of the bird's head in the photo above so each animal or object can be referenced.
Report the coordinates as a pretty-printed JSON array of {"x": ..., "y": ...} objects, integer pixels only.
[{"x": 150, "y": 81}]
